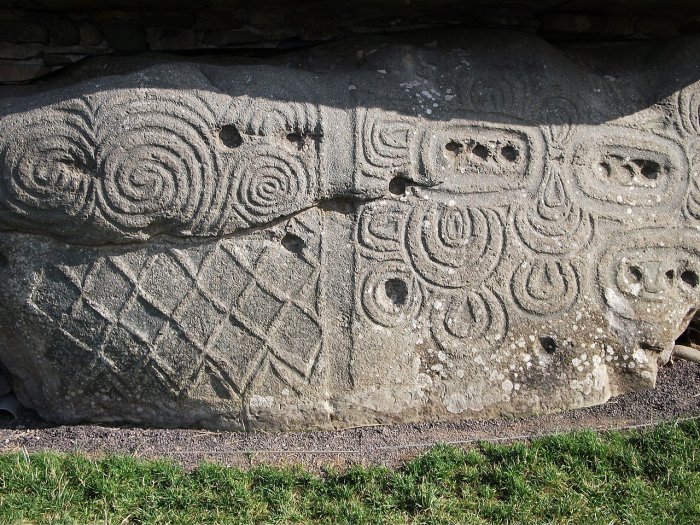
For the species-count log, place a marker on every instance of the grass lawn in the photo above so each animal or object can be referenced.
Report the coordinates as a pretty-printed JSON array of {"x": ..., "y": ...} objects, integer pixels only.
[{"x": 646, "y": 477}]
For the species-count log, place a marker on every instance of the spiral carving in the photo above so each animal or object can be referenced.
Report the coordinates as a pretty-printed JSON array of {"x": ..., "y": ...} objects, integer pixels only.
[
  {"x": 48, "y": 165},
  {"x": 453, "y": 246},
  {"x": 545, "y": 287},
  {"x": 271, "y": 184},
  {"x": 475, "y": 318},
  {"x": 156, "y": 159},
  {"x": 554, "y": 224}
]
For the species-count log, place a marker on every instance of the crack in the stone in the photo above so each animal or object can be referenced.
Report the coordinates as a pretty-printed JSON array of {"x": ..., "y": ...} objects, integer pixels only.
[{"x": 331, "y": 204}]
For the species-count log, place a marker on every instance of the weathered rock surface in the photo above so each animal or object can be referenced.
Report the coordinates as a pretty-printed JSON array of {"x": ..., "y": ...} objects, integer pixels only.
[{"x": 468, "y": 226}]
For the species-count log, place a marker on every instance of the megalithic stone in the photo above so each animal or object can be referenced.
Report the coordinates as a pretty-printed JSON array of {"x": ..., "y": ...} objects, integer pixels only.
[{"x": 474, "y": 226}]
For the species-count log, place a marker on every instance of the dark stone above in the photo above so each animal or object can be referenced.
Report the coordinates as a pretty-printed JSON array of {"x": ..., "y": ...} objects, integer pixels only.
[{"x": 43, "y": 36}]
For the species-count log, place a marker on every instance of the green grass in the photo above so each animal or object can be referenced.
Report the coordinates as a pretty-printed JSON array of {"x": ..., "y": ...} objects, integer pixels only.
[{"x": 647, "y": 477}]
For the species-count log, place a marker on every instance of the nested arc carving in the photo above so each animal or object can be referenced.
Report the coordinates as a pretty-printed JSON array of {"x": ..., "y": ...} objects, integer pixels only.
[
  {"x": 453, "y": 246},
  {"x": 692, "y": 200},
  {"x": 543, "y": 286},
  {"x": 386, "y": 143},
  {"x": 474, "y": 319},
  {"x": 381, "y": 229},
  {"x": 688, "y": 104},
  {"x": 562, "y": 113},
  {"x": 553, "y": 222},
  {"x": 430, "y": 260}
]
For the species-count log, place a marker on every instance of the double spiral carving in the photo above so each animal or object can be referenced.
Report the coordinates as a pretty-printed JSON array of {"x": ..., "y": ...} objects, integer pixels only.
[
  {"x": 128, "y": 162},
  {"x": 271, "y": 184}
]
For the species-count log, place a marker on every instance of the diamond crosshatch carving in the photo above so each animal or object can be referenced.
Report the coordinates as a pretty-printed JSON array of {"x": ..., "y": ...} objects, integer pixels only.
[{"x": 225, "y": 318}]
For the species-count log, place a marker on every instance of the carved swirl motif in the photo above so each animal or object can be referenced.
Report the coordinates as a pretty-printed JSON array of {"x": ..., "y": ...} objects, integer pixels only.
[
  {"x": 155, "y": 154},
  {"x": 544, "y": 286},
  {"x": 646, "y": 273},
  {"x": 386, "y": 142},
  {"x": 381, "y": 228},
  {"x": 476, "y": 318},
  {"x": 390, "y": 294},
  {"x": 48, "y": 158},
  {"x": 555, "y": 224},
  {"x": 689, "y": 109},
  {"x": 270, "y": 184},
  {"x": 453, "y": 246}
]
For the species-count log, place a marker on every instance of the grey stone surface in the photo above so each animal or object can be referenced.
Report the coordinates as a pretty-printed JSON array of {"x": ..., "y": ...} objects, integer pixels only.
[{"x": 455, "y": 226}]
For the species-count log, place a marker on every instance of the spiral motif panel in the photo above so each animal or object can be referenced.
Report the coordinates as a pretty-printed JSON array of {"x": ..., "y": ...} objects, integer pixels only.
[
  {"x": 48, "y": 165},
  {"x": 271, "y": 184},
  {"x": 155, "y": 153}
]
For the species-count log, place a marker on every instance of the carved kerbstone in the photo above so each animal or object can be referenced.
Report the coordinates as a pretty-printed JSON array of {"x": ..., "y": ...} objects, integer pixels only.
[{"x": 471, "y": 227}]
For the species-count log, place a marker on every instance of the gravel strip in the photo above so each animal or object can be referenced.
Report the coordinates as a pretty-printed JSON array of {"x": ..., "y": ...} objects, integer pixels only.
[{"x": 677, "y": 395}]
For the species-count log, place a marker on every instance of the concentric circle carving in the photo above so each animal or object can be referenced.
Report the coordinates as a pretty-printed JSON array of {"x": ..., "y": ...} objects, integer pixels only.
[{"x": 390, "y": 294}]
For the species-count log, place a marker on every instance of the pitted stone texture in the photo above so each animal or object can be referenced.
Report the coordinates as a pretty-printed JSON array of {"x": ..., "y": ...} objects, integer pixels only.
[{"x": 433, "y": 235}]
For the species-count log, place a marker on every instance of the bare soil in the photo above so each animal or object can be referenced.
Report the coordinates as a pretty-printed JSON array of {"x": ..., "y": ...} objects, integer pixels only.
[{"x": 677, "y": 395}]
